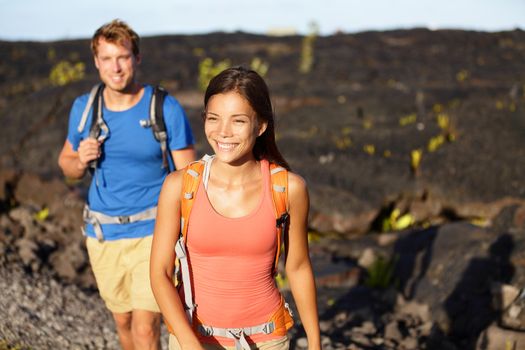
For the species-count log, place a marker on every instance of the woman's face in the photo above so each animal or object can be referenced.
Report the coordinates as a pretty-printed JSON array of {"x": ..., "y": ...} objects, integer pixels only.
[{"x": 231, "y": 127}]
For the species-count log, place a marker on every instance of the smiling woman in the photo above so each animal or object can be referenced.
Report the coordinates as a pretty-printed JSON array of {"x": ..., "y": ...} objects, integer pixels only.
[
  {"x": 231, "y": 127},
  {"x": 232, "y": 236}
]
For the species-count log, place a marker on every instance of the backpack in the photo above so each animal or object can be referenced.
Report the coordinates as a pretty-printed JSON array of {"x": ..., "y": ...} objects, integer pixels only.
[
  {"x": 282, "y": 320},
  {"x": 99, "y": 129}
]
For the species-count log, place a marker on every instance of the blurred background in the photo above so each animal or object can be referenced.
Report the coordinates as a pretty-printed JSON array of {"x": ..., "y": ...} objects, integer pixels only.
[
  {"x": 61, "y": 19},
  {"x": 406, "y": 118}
]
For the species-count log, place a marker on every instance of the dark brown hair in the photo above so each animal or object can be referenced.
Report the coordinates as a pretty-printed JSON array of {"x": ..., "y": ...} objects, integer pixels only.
[
  {"x": 252, "y": 87},
  {"x": 116, "y": 32}
]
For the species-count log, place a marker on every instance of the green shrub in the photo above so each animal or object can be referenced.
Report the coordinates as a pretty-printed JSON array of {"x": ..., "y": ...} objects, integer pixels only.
[
  {"x": 259, "y": 66},
  {"x": 381, "y": 273},
  {"x": 207, "y": 70},
  {"x": 408, "y": 119},
  {"x": 307, "y": 49},
  {"x": 65, "y": 72},
  {"x": 395, "y": 221},
  {"x": 415, "y": 159}
]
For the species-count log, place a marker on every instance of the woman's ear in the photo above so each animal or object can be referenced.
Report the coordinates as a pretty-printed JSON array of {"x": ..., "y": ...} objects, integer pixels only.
[{"x": 262, "y": 127}]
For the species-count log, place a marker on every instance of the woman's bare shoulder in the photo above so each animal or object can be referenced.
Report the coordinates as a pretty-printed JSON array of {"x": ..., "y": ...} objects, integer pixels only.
[
  {"x": 297, "y": 187},
  {"x": 173, "y": 182}
]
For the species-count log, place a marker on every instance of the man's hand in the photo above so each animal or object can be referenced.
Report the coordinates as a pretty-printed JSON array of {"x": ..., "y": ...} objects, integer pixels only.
[
  {"x": 88, "y": 150},
  {"x": 74, "y": 163}
]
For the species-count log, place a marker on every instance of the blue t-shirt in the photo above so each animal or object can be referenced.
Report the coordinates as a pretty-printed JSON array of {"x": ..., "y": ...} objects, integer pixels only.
[{"x": 129, "y": 175}]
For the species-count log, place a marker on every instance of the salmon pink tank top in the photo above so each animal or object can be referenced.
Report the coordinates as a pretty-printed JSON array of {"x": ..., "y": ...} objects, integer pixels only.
[{"x": 231, "y": 262}]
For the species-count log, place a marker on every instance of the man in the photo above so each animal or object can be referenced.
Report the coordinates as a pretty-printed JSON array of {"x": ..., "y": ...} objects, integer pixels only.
[{"x": 126, "y": 163}]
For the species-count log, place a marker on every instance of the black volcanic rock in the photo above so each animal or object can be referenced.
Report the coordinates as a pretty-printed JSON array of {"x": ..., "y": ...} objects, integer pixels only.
[
  {"x": 349, "y": 127},
  {"x": 338, "y": 125}
]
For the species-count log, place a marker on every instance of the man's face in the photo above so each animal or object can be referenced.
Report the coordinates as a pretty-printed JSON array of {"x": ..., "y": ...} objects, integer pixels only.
[{"x": 116, "y": 65}]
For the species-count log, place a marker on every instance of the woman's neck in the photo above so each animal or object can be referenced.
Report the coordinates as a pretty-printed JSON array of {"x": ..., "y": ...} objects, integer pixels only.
[{"x": 235, "y": 174}]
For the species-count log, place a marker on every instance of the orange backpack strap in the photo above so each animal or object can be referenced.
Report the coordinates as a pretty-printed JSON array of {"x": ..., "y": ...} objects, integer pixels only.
[
  {"x": 190, "y": 184},
  {"x": 279, "y": 179}
]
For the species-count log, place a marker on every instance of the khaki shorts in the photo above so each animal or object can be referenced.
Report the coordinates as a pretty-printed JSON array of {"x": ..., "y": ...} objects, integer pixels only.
[
  {"x": 121, "y": 269},
  {"x": 277, "y": 344}
]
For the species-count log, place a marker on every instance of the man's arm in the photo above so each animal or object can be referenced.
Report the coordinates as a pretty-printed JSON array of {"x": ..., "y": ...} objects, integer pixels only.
[
  {"x": 184, "y": 156},
  {"x": 74, "y": 164}
]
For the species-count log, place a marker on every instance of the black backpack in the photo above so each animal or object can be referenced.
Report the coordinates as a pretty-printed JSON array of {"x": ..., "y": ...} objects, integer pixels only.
[{"x": 99, "y": 128}]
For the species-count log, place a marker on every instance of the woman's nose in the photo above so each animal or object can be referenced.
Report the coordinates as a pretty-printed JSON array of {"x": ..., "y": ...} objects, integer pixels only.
[{"x": 225, "y": 128}]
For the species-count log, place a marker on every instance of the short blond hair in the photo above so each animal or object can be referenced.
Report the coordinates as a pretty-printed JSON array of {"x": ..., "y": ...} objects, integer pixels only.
[{"x": 116, "y": 32}]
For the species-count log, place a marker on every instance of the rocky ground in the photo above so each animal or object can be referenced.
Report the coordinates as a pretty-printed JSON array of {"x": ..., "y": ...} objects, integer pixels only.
[
  {"x": 441, "y": 287},
  {"x": 408, "y": 255}
]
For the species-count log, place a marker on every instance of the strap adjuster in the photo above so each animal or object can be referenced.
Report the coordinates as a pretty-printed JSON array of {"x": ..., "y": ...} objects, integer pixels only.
[
  {"x": 269, "y": 328},
  {"x": 283, "y": 220},
  {"x": 124, "y": 219},
  {"x": 206, "y": 331},
  {"x": 236, "y": 332}
]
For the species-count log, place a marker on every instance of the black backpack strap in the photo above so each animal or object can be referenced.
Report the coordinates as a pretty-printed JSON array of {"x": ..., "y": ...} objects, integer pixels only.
[
  {"x": 96, "y": 117},
  {"x": 95, "y": 90},
  {"x": 98, "y": 128},
  {"x": 158, "y": 126}
]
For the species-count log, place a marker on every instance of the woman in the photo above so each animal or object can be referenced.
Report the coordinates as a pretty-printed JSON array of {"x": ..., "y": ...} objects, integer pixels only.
[{"x": 231, "y": 234}]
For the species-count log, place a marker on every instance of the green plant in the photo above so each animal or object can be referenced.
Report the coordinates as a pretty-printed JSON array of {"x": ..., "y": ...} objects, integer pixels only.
[
  {"x": 65, "y": 72},
  {"x": 435, "y": 142},
  {"x": 409, "y": 119},
  {"x": 415, "y": 159},
  {"x": 198, "y": 51},
  {"x": 462, "y": 75},
  {"x": 307, "y": 49},
  {"x": 370, "y": 149},
  {"x": 343, "y": 142},
  {"x": 312, "y": 237},
  {"x": 448, "y": 130},
  {"x": 259, "y": 66},
  {"x": 395, "y": 221},
  {"x": 42, "y": 215},
  {"x": 282, "y": 281},
  {"x": 381, "y": 273},
  {"x": 207, "y": 70},
  {"x": 443, "y": 121},
  {"x": 51, "y": 54},
  {"x": 510, "y": 344}
]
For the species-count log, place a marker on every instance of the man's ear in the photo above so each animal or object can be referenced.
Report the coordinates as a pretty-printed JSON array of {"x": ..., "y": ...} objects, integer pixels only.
[
  {"x": 138, "y": 58},
  {"x": 96, "y": 61}
]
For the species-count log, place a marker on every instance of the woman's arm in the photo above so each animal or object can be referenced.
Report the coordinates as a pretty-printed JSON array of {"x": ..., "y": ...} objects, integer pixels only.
[
  {"x": 162, "y": 260},
  {"x": 297, "y": 260}
]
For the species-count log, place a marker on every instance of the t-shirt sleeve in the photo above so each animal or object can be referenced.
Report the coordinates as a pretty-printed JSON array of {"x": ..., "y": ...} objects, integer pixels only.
[
  {"x": 177, "y": 125},
  {"x": 73, "y": 136}
]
